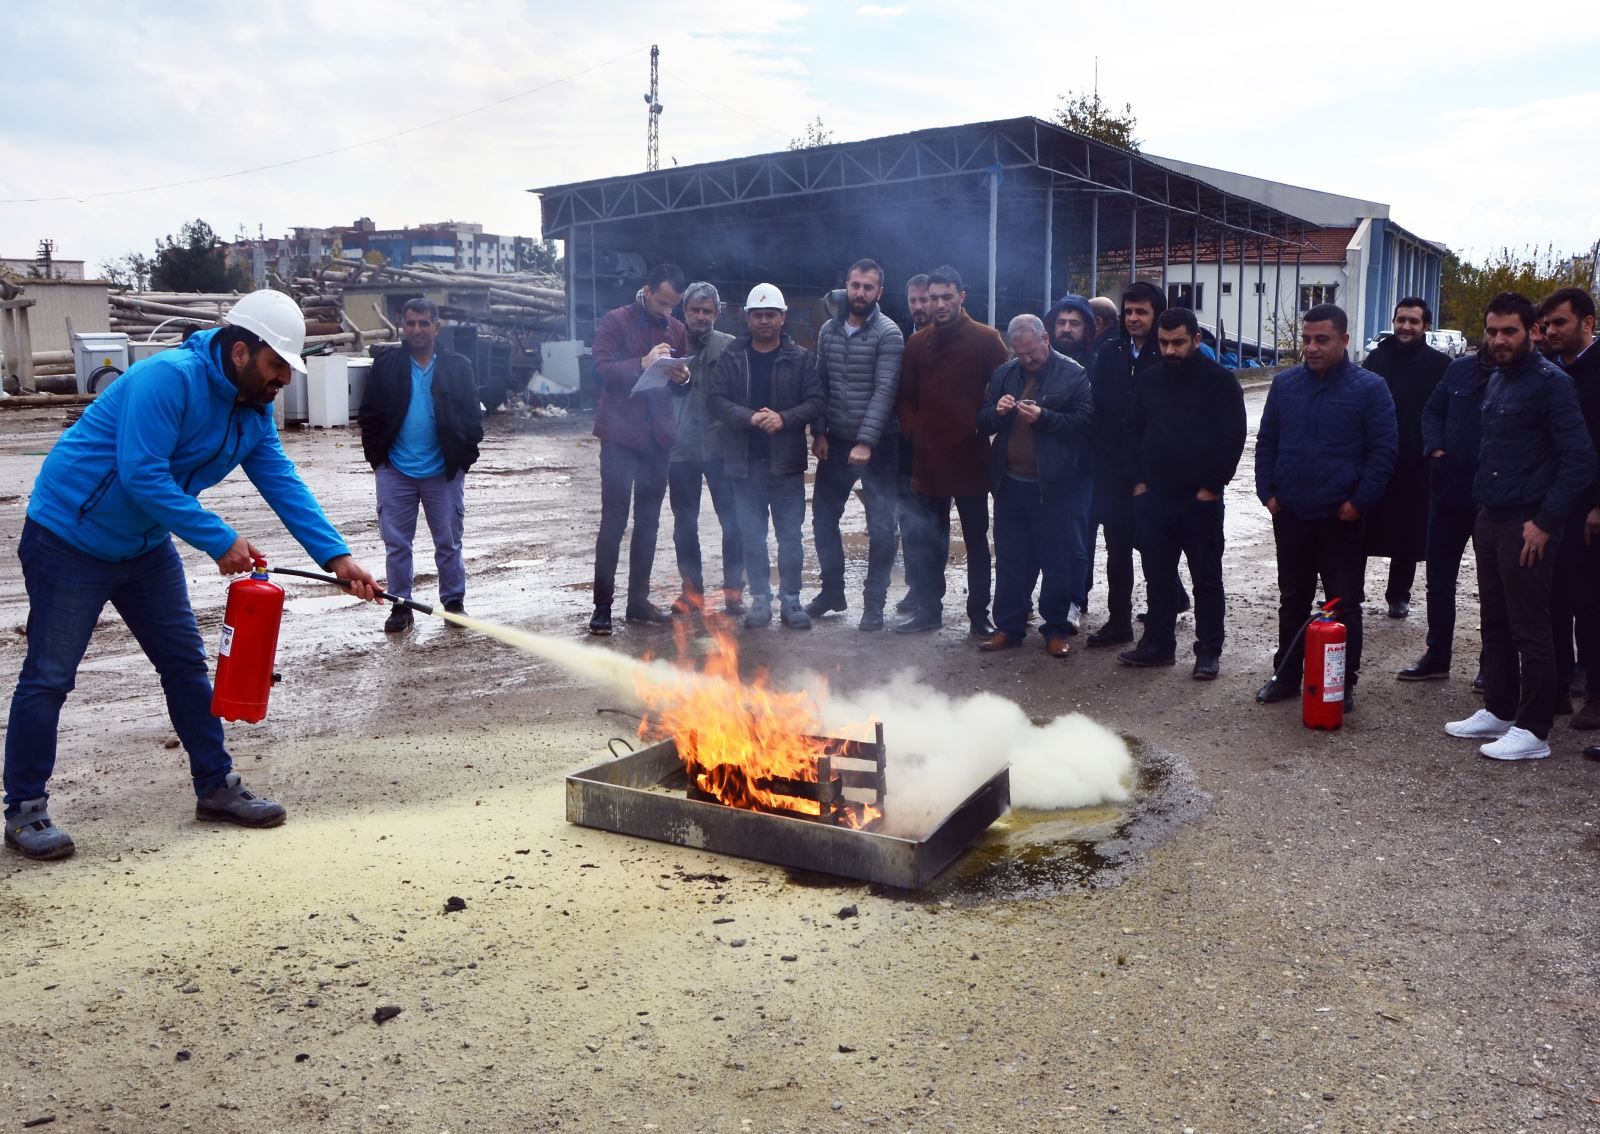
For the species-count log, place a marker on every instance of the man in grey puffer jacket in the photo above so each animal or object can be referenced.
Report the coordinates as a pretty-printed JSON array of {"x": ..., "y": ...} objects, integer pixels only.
[{"x": 858, "y": 362}]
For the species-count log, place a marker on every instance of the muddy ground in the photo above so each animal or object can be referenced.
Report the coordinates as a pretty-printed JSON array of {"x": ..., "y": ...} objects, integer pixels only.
[{"x": 1369, "y": 930}]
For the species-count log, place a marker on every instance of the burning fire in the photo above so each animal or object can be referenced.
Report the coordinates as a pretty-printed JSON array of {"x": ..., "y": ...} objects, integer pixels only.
[{"x": 747, "y": 745}]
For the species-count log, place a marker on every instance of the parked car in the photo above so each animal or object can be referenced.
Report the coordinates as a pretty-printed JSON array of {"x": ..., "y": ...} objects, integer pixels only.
[
  {"x": 1372, "y": 343},
  {"x": 1453, "y": 343}
]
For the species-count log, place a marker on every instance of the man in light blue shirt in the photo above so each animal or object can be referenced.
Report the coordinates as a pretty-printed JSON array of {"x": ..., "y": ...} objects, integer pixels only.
[{"x": 420, "y": 428}]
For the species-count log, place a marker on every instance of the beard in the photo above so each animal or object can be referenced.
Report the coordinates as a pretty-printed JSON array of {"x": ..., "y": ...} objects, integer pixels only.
[{"x": 860, "y": 306}]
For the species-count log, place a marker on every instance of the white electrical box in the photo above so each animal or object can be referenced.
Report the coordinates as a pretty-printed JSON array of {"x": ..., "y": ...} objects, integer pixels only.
[
  {"x": 560, "y": 369},
  {"x": 327, "y": 390},
  {"x": 98, "y": 359}
]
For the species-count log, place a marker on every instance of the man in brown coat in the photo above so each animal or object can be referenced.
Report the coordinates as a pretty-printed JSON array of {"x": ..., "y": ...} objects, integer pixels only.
[{"x": 943, "y": 379}]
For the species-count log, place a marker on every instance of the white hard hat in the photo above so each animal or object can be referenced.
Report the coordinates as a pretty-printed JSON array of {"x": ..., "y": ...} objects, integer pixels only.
[
  {"x": 276, "y": 320},
  {"x": 765, "y": 297}
]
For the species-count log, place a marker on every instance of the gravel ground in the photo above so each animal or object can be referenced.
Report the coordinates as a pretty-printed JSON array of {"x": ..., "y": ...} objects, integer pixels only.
[{"x": 1367, "y": 930}]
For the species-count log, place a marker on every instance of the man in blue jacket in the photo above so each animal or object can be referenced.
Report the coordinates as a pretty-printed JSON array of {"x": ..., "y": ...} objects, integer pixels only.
[
  {"x": 111, "y": 494},
  {"x": 1535, "y": 470},
  {"x": 1324, "y": 453}
]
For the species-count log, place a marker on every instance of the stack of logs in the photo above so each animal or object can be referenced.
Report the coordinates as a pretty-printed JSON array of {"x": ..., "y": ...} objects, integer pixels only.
[
  {"x": 166, "y": 315},
  {"x": 530, "y": 301}
]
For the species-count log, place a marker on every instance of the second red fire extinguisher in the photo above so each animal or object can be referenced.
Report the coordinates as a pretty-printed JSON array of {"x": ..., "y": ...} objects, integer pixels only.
[
  {"x": 249, "y": 648},
  {"x": 1323, "y": 699}
]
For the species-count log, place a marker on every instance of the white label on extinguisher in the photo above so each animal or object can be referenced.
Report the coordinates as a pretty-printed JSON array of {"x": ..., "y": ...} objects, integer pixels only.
[
  {"x": 1333, "y": 671},
  {"x": 227, "y": 643}
]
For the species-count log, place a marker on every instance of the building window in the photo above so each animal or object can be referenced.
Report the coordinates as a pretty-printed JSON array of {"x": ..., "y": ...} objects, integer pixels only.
[
  {"x": 1261, "y": 288},
  {"x": 1227, "y": 287},
  {"x": 1182, "y": 295},
  {"x": 1313, "y": 294}
]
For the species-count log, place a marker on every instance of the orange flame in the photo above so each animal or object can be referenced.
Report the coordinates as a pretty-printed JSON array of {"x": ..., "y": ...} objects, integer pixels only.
[{"x": 742, "y": 743}]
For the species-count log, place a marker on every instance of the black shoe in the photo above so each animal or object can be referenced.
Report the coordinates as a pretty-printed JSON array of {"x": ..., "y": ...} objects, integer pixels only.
[
  {"x": 399, "y": 620},
  {"x": 1141, "y": 658},
  {"x": 1111, "y": 635},
  {"x": 825, "y": 603},
  {"x": 1592, "y": 752},
  {"x": 908, "y": 604},
  {"x": 647, "y": 614},
  {"x": 1275, "y": 690},
  {"x": 1206, "y": 669},
  {"x": 1478, "y": 683},
  {"x": 1426, "y": 668},
  {"x": 871, "y": 620},
  {"x": 600, "y": 622},
  {"x": 456, "y": 606},
  {"x": 920, "y": 623},
  {"x": 982, "y": 628},
  {"x": 1349, "y": 700},
  {"x": 1399, "y": 609}
]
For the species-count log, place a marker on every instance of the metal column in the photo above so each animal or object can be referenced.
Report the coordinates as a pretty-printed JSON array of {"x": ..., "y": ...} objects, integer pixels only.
[
  {"x": 1049, "y": 241},
  {"x": 1240, "y": 323},
  {"x": 1261, "y": 293},
  {"x": 1133, "y": 244},
  {"x": 1094, "y": 246},
  {"x": 1277, "y": 306},
  {"x": 994, "y": 236}
]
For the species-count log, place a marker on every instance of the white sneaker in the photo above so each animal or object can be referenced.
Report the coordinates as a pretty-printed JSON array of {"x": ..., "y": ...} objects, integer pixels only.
[
  {"x": 1074, "y": 618},
  {"x": 1516, "y": 744},
  {"x": 1482, "y": 724}
]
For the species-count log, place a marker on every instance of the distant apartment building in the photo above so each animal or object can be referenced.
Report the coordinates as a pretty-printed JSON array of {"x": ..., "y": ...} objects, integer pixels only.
[
  {"x": 55, "y": 269},
  {"x": 462, "y": 245}
]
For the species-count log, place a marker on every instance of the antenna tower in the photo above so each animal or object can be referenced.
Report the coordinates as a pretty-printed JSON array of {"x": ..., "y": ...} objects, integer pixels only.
[{"x": 652, "y": 159}]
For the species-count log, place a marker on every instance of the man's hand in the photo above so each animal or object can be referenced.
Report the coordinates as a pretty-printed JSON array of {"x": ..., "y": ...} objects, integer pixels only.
[
  {"x": 860, "y": 454},
  {"x": 1591, "y": 526},
  {"x": 239, "y": 558},
  {"x": 1272, "y": 505},
  {"x": 1436, "y": 454},
  {"x": 362, "y": 584},
  {"x": 1534, "y": 539},
  {"x": 1029, "y": 411},
  {"x": 1005, "y": 405},
  {"x": 1205, "y": 495},
  {"x": 819, "y": 448},
  {"x": 767, "y": 420},
  {"x": 679, "y": 375},
  {"x": 1349, "y": 513},
  {"x": 1140, "y": 489},
  {"x": 660, "y": 350}
]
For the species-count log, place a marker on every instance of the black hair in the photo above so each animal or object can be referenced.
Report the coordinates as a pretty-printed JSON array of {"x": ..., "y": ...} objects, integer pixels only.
[
  {"x": 1582, "y": 302},
  {"x": 1414, "y": 301},
  {"x": 1512, "y": 303},
  {"x": 866, "y": 264},
  {"x": 226, "y": 337},
  {"x": 666, "y": 274},
  {"x": 1328, "y": 313},
  {"x": 1142, "y": 292},
  {"x": 418, "y": 303},
  {"x": 918, "y": 280},
  {"x": 945, "y": 274},
  {"x": 1174, "y": 317}
]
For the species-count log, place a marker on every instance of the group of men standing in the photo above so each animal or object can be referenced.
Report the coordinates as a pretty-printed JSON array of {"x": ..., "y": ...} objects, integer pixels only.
[{"x": 928, "y": 420}]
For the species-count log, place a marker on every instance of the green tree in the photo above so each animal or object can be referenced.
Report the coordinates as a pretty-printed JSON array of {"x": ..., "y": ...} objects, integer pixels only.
[
  {"x": 816, "y": 134},
  {"x": 539, "y": 256},
  {"x": 1085, "y": 113},
  {"x": 196, "y": 260},
  {"x": 1465, "y": 288},
  {"x": 129, "y": 271}
]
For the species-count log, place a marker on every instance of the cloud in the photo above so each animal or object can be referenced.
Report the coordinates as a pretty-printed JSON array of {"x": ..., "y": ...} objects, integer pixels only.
[{"x": 884, "y": 10}]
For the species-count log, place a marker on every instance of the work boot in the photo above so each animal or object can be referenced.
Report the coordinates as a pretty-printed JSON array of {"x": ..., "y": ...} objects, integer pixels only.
[
  {"x": 908, "y": 604},
  {"x": 33, "y": 833},
  {"x": 600, "y": 621},
  {"x": 399, "y": 620},
  {"x": 760, "y": 612},
  {"x": 794, "y": 615},
  {"x": 1588, "y": 717},
  {"x": 920, "y": 622},
  {"x": 1111, "y": 634},
  {"x": 232, "y": 802},
  {"x": 1426, "y": 668},
  {"x": 732, "y": 600},
  {"x": 871, "y": 620},
  {"x": 1206, "y": 667},
  {"x": 827, "y": 603}
]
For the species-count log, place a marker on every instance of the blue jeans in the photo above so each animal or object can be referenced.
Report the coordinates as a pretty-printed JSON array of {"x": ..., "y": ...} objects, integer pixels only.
[
  {"x": 783, "y": 495},
  {"x": 835, "y": 477},
  {"x": 444, "y": 502},
  {"x": 67, "y": 590},
  {"x": 1035, "y": 536}
]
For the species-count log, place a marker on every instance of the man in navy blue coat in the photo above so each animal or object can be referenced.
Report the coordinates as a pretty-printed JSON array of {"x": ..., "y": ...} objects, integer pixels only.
[{"x": 1324, "y": 454}]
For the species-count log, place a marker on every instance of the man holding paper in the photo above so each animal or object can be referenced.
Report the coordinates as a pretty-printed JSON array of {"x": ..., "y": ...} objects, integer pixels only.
[{"x": 637, "y": 357}]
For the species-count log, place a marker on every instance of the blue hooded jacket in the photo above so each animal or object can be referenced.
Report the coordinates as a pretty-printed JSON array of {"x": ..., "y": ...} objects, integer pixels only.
[
  {"x": 1072, "y": 302},
  {"x": 127, "y": 475}
]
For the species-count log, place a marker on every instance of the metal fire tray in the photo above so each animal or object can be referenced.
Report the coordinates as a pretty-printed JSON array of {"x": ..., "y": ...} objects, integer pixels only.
[{"x": 626, "y": 796}]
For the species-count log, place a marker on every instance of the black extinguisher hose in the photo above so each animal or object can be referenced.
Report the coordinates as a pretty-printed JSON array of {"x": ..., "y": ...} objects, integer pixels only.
[
  {"x": 421, "y": 607},
  {"x": 1294, "y": 644}
]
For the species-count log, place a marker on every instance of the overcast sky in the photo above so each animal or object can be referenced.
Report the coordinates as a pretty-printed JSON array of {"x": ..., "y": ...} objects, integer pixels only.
[{"x": 1476, "y": 134}]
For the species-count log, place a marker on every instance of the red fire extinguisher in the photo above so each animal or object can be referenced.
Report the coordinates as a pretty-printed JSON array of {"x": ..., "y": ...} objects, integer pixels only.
[
  {"x": 249, "y": 648},
  {"x": 1323, "y": 699}
]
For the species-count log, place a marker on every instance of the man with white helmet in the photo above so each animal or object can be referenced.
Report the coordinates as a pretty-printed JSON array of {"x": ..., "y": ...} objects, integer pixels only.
[
  {"x": 111, "y": 494},
  {"x": 765, "y": 392}
]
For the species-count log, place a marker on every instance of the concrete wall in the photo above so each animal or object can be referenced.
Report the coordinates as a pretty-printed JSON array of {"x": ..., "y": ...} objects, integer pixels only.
[{"x": 84, "y": 302}]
